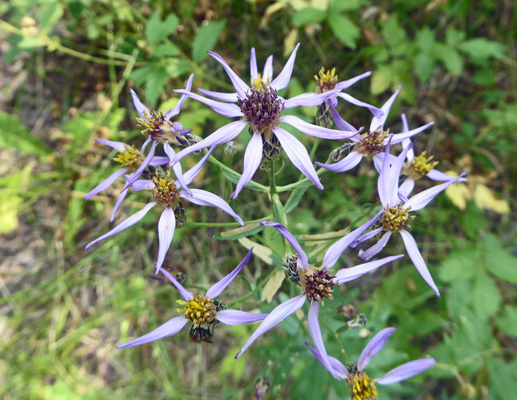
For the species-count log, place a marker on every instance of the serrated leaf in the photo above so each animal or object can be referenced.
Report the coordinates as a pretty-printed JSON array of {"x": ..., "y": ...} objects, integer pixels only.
[
  {"x": 238, "y": 233},
  {"x": 507, "y": 322},
  {"x": 482, "y": 49},
  {"x": 459, "y": 265},
  {"x": 156, "y": 30},
  {"x": 345, "y": 30},
  {"x": 503, "y": 378},
  {"x": 15, "y": 135},
  {"x": 425, "y": 39},
  {"x": 307, "y": 16},
  {"x": 498, "y": 261},
  {"x": 485, "y": 296},
  {"x": 206, "y": 38},
  {"x": 449, "y": 57},
  {"x": 393, "y": 33},
  {"x": 155, "y": 83},
  {"x": 424, "y": 66},
  {"x": 453, "y": 36}
]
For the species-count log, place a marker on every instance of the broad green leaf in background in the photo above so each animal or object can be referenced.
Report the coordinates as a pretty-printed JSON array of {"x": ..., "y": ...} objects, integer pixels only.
[
  {"x": 449, "y": 57},
  {"x": 381, "y": 80},
  {"x": 206, "y": 38},
  {"x": 345, "y": 30},
  {"x": 15, "y": 135},
  {"x": 507, "y": 322},
  {"x": 307, "y": 16},
  {"x": 425, "y": 39},
  {"x": 424, "y": 66},
  {"x": 482, "y": 49},
  {"x": 498, "y": 260},
  {"x": 503, "y": 378},
  {"x": 156, "y": 30}
]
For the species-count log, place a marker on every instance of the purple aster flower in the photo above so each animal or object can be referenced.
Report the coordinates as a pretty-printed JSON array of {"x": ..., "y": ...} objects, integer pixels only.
[
  {"x": 261, "y": 109},
  {"x": 418, "y": 167},
  {"x": 201, "y": 310},
  {"x": 159, "y": 129},
  {"x": 369, "y": 144},
  {"x": 394, "y": 216},
  {"x": 131, "y": 159},
  {"x": 167, "y": 193},
  {"x": 361, "y": 386},
  {"x": 316, "y": 284}
]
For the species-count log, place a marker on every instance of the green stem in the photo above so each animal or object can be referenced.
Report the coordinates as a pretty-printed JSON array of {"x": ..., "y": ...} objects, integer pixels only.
[
  {"x": 304, "y": 181},
  {"x": 220, "y": 224},
  {"x": 234, "y": 176},
  {"x": 257, "y": 288}
]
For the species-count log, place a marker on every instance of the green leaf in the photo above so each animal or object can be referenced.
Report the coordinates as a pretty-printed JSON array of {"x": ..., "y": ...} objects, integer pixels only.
[
  {"x": 381, "y": 80},
  {"x": 453, "y": 36},
  {"x": 348, "y": 5},
  {"x": 503, "y": 378},
  {"x": 482, "y": 49},
  {"x": 425, "y": 39},
  {"x": 507, "y": 322},
  {"x": 393, "y": 33},
  {"x": 155, "y": 83},
  {"x": 15, "y": 135},
  {"x": 206, "y": 38},
  {"x": 165, "y": 49},
  {"x": 156, "y": 30},
  {"x": 498, "y": 260},
  {"x": 345, "y": 30},
  {"x": 307, "y": 16},
  {"x": 459, "y": 265},
  {"x": 424, "y": 66},
  {"x": 449, "y": 57},
  {"x": 485, "y": 296},
  {"x": 237, "y": 233},
  {"x": 48, "y": 15}
]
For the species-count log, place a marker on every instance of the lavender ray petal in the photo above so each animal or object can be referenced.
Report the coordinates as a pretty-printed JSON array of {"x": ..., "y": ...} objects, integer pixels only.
[
  {"x": 418, "y": 260},
  {"x": 406, "y": 142},
  {"x": 395, "y": 170},
  {"x": 406, "y": 371},
  {"x": 120, "y": 146},
  {"x": 176, "y": 168},
  {"x": 304, "y": 261},
  {"x": 253, "y": 65},
  {"x": 120, "y": 199},
  {"x": 106, "y": 183},
  {"x": 349, "y": 274},
  {"x": 227, "y": 97},
  {"x": 204, "y": 198},
  {"x": 407, "y": 187},
  {"x": 186, "y": 294},
  {"x": 308, "y": 99},
  {"x": 225, "y": 109},
  {"x": 365, "y": 237},
  {"x": 235, "y": 317},
  {"x": 177, "y": 108},
  {"x": 143, "y": 166},
  {"x": 400, "y": 137},
  {"x": 170, "y": 328},
  {"x": 281, "y": 312},
  {"x": 373, "y": 347},
  {"x": 376, "y": 248},
  {"x": 237, "y": 82},
  {"x": 317, "y": 338},
  {"x": 147, "y": 141},
  {"x": 384, "y": 183},
  {"x": 218, "y": 288},
  {"x": 422, "y": 199},
  {"x": 349, "y": 82},
  {"x": 335, "y": 251},
  {"x": 337, "y": 365},
  {"x": 125, "y": 224},
  {"x": 405, "y": 127},
  {"x": 140, "y": 108},
  {"x": 374, "y": 110},
  {"x": 436, "y": 175},
  {"x": 166, "y": 227},
  {"x": 316, "y": 131},
  {"x": 252, "y": 160},
  {"x": 191, "y": 174},
  {"x": 341, "y": 123},
  {"x": 378, "y": 123},
  {"x": 268, "y": 69},
  {"x": 142, "y": 184},
  {"x": 282, "y": 80},
  {"x": 346, "y": 164},
  {"x": 222, "y": 135},
  {"x": 378, "y": 161},
  {"x": 156, "y": 161},
  {"x": 402, "y": 198},
  {"x": 297, "y": 153}
]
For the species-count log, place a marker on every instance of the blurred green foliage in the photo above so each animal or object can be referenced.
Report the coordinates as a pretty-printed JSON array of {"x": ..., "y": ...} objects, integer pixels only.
[{"x": 63, "y": 314}]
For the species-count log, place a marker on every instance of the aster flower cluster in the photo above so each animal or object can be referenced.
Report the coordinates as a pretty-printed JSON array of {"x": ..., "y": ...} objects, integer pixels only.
[{"x": 259, "y": 109}]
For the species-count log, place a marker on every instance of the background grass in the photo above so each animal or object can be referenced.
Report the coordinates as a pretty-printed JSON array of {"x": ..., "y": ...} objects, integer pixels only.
[{"x": 66, "y": 70}]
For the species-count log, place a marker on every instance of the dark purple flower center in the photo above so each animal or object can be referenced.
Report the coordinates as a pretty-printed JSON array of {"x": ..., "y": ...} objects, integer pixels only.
[
  {"x": 372, "y": 143},
  {"x": 262, "y": 109},
  {"x": 318, "y": 284},
  {"x": 164, "y": 131}
]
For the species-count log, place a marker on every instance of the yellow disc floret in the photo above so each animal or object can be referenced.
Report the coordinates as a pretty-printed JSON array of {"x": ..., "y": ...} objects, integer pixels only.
[
  {"x": 130, "y": 158},
  {"x": 260, "y": 83},
  {"x": 165, "y": 192},
  {"x": 199, "y": 310},
  {"x": 326, "y": 81},
  {"x": 396, "y": 218},
  {"x": 361, "y": 386},
  {"x": 419, "y": 166}
]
